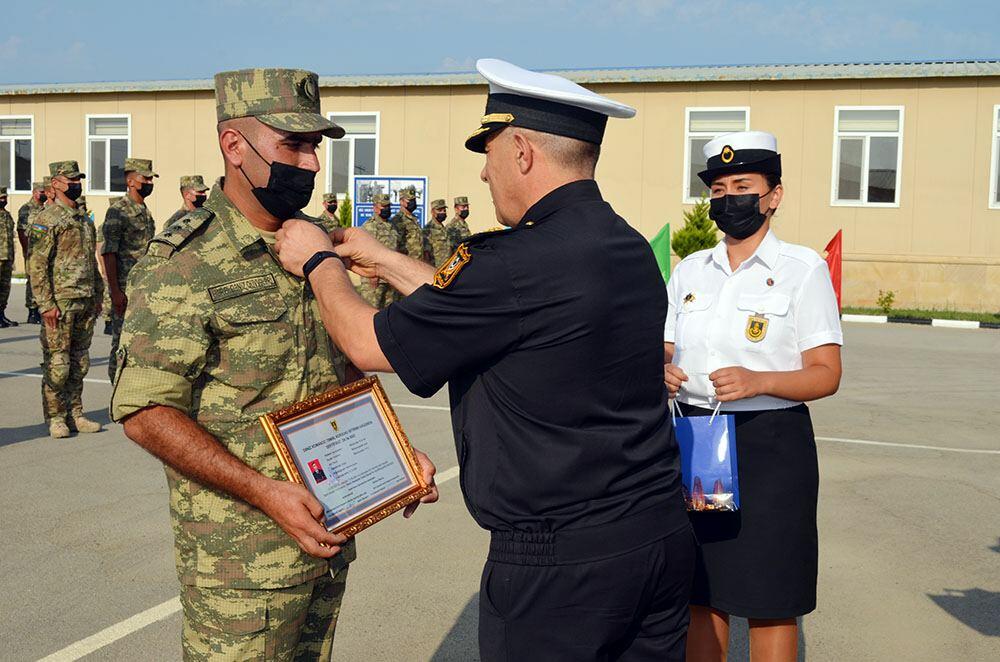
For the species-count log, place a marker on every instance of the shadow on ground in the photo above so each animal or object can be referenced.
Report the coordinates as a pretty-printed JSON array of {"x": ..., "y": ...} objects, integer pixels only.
[
  {"x": 977, "y": 608},
  {"x": 11, "y": 436}
]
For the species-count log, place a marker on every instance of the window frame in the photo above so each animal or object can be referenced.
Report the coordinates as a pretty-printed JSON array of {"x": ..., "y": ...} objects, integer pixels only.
[
  {"x": 994, "y": 203},
  {"x": 31, "y": 177},
  {"x": 865, "y": 158},
  {"x": 86, "y": 149},
  {"x": 332, "y": 116},
  {"x": 688, "y": 134}
]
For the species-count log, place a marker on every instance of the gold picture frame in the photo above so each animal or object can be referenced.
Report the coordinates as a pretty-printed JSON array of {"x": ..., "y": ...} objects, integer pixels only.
[{"x": 300, "y": 436}]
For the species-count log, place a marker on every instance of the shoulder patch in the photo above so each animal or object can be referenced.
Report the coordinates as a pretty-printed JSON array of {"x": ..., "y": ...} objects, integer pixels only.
[
  {"x": 449, "y": 271},
  {"x": 177, "y": 233}
]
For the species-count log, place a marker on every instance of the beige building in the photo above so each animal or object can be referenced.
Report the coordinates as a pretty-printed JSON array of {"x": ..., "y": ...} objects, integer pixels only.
[{"x": 902, "y": 157}]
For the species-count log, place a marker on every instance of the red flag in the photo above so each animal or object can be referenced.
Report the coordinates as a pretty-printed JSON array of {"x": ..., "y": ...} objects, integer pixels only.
[{"x": 834, "y": 254}]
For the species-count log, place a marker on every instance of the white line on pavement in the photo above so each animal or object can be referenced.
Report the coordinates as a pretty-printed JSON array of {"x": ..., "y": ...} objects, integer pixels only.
[
  {"x": 89, "y": 380},
  {"x": 865, "y": 442}
]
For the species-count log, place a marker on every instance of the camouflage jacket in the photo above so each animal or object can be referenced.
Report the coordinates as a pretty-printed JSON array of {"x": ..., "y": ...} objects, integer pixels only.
[
  {"x": 63, "y": 265},
  {"x": 437, "y": 247},
  {"x": 128, "y": 227},
  {"x": 384, "y": 231},
  {"x": 7, "y": 227},
  {"x": 458, "y": 231},
  {"x": 329, "y": 221},
  {"x": 411, "y": 237},
  {"x": 24, "y": 215},
  {"x": 176, "y": 216},
  {"x": 216, "y": 329}
]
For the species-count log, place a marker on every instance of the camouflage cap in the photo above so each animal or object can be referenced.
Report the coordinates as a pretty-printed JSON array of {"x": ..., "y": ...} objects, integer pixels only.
[
  {"x": 47, "y": 181},
  {"x": 329, "y": 197},
  {"x": 37, "y": 186},
  {"x": 286, "y": 99},
  {"x": 437, "y": 204},
  {"x": 69, "y": 169},
  {"x": 143, "y": 167},
  {"x": 407, "y": 192},
  {"x": 3, "y": 191},
  {"x": 462, "y": 200},
  {"x": 82, "y": 200},
  {"x": 193, "y": 181},
  {"x": 380, "y": 199}
]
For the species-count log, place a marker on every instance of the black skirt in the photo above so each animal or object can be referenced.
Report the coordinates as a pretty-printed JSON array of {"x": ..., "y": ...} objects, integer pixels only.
[{"x": 761, "y": 561}]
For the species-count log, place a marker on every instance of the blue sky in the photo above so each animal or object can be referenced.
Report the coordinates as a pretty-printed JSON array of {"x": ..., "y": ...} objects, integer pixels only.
[{"x": 60, "y": 41}]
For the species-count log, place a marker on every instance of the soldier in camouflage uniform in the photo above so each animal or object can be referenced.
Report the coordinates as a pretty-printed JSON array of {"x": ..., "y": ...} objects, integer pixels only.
[
  {"x": 216, "y": 334},
  {"x": 128, "y": 227},
  {"x": 458, "y": 227},
  {"x": 193, "y": 195},
  {"x": 29, "y": 208},
  {"x": 380, "y": 294},
  {"x": 411, "y": 236},
  {"x": 7, "y": 227},
  {"x": 106, "y": 307},
  {"x": 68, "y": 290},
  {"x": 437, "y": 247},
  {"x": 329, "y": 219}
]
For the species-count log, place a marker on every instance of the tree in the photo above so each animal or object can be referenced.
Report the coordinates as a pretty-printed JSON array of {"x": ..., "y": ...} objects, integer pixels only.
[
  {"x": 345, "y": 211},
  {"x": 698, "y": 232}
]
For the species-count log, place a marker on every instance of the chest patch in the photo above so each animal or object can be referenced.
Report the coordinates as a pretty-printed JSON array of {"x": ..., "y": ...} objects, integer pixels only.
[
  {"x": 756, "y": 328},
  {"x": 240, "y": 287},
  {"x": 446, "y": 275}
]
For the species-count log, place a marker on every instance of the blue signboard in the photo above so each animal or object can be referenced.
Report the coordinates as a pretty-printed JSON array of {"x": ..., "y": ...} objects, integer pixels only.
[{"x": 367, "y": 186}]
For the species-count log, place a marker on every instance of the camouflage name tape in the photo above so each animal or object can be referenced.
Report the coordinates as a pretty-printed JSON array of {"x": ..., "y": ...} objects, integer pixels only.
[{"x": 241, "y": 287}]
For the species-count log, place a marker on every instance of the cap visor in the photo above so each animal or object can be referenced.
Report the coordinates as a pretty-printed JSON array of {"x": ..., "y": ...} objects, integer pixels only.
[
  {"x": 302, "y": 123},
  {"x": 201, "y": 189},
  {"x": 477, "y": 141}
]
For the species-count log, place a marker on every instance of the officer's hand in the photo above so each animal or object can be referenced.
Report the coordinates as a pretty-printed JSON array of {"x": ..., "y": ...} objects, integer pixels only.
[
  {"x": 362, "y": 250},
  {"x": 428, "y": 470},
  {"x": 673, "y": 377},
  {"x": 736, "y": 383},
  {"x": 51, "y": 318},
  {"x": 297, "y": 241},
  {"x": 118, "y": 301},
  {"x": 300, "y": 515}
]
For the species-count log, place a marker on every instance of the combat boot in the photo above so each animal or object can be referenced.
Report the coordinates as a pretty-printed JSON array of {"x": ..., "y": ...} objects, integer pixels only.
[
  {"x": 58, "y": 429},
  {"x": 84, "y": 424},
  {"x": 34, "y": 317},
  {"x": 6, "y": 320},
  {"x": 107, "y": 328},
  {"x": 3, "y": 321}
]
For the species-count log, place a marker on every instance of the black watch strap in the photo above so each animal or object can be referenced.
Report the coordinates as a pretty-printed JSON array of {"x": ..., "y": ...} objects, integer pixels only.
[{"x": 315, "y": 260}]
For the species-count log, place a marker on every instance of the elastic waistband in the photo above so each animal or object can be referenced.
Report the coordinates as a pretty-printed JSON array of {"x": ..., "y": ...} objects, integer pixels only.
[{"x": 585, "y": 544}]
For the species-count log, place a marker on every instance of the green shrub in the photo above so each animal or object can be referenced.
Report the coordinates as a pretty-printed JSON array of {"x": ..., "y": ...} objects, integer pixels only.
[
  {"x": 885, "y": 301},
  {"x": 345, "y": 211},
  {"x": 698, "y": 232}
]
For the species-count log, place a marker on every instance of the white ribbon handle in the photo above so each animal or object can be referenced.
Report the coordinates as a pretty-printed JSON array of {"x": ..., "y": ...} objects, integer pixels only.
[{"x": 715, "y": 413}]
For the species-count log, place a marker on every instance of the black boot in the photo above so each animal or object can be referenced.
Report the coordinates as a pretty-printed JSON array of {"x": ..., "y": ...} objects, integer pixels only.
[
  {"x": 3, "y": 321},
  {"x": 34, "y": 317},
  {"x": 107, "y": 328},
  {"x": 6, "y": 321}
]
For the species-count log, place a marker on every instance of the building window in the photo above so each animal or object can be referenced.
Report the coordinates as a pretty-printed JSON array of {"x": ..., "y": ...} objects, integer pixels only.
[
  {"x": 700, "y": 126},
  {"x": 867, "y": 154},
  {"x": 354, "y": 154},
  {"x": 16, "y": 153},
  {"x": 108, "y": 145},
  {"x": 995, "y": 169}
]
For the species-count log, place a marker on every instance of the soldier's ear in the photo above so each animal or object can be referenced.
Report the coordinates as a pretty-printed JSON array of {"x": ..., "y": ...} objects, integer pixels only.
[{"x": 230, "y": 142}]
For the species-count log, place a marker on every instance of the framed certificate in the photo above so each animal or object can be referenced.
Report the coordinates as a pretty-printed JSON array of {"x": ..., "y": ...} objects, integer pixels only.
[{"x": 348, "y": 448}]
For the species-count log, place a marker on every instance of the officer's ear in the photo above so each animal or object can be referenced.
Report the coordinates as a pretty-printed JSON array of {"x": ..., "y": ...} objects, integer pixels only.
[
  {"x": 524, "y": 152},
  {"x": 776, "y": 196}
]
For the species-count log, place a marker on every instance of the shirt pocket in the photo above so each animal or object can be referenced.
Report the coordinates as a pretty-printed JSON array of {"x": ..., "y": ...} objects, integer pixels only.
[
  {"x": 762, "y": 323},
  {"x": 692, "y": 319},
  {"x": 256, "y": 340}
]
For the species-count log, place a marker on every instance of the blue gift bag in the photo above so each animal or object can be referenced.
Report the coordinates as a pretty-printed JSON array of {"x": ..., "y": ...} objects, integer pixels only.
[{"x": 708, "y": 460}]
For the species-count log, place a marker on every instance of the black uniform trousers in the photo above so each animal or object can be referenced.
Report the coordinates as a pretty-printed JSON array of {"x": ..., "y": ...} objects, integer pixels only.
[{"x": 633, "y": 606}]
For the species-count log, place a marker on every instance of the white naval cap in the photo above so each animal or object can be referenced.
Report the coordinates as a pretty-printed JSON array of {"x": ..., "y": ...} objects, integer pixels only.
[
  {"x": 544, "y": 102},
  {"x": 743, "y": 151}
]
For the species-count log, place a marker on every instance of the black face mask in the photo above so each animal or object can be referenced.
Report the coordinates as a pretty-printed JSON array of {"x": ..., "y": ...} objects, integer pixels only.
[
  {"x": 289, "y": 188},
  {"x": 74, "y": 191},
  {"x": 199, "y": 200},
  {"x": 440, "y": 217},
  {"x": 385, "y": 213},
  {"x": 42, "y": 198},
  {"x": 411, "y": 204},
  {"x": 3, "y": 203},
  {"x": 738, "y": 215},
  {"x": 145, "y": 190},
  {"x": 331, "y": 208},
  {"x": 464, "y": 213}
]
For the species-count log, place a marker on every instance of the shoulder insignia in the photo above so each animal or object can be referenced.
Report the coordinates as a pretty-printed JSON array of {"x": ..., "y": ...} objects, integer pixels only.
[
  {"x": 177, "y": 233},
  {"x": 446, "y": 275}
]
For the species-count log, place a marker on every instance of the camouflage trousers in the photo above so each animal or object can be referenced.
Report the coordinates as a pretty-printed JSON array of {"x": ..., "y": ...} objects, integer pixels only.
[
  {"x": 29, "y": 298},
  {"x": 107, "y": 302},
  {"x": 6, "y": 269},
  {"x": 66, "y": 359},
  {"x": 294, "y": 623},
  {"x": 379, "y": 296},
  {"x": 116, "y": 335}
]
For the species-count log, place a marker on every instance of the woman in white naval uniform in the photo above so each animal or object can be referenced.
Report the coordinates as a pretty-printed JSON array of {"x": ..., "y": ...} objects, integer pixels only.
[{"x": 753, "y": 326}]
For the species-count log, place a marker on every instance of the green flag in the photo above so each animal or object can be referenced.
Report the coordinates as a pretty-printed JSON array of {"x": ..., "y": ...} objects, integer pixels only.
[{"x": 661, "y": 249}]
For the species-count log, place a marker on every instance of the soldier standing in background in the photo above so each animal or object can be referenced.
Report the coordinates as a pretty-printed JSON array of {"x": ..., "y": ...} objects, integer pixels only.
[
  {"x": 68, "y": 290},
  {"x": 193, "y": 195},
  {"x": 128, "y": 227},
  {"x": 380, "y": 294},
  {"x": 458, "y": 227},
  {"x": 7, "y": 227},
  {"x": 106, "y": 306},
  {"x": 329, "y": 219},
  {"x": 437, "y": 248},
  {"x": 24, "y": 236},
  {"x": 411, "y": 237}
]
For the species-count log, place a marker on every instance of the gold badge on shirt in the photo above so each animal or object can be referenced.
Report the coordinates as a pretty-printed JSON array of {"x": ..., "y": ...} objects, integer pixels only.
[
  {"x": 446, "y": 275},
  {"x": 756, "y": 328}
]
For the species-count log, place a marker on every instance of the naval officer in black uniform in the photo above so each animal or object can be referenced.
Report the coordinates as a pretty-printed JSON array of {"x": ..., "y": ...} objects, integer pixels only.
[{"x": 549, "y": 336}]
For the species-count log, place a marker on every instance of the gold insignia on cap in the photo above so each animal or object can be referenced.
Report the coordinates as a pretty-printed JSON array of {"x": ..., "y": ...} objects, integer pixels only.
[
  {"x": 492, "y": 118},
  {"x": 446, "y": 275},
  {"x": 756, "y": 328},
  {"x": 309, "y": 89},
  {"x": 727, "y": 154}
]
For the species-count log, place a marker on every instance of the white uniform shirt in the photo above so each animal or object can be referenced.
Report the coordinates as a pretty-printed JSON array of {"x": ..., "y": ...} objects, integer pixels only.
[{"x": 711, "y": 311}]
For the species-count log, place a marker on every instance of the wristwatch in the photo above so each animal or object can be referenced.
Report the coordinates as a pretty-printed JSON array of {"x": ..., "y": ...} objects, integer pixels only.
[{"x": 315, "y": 260}]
